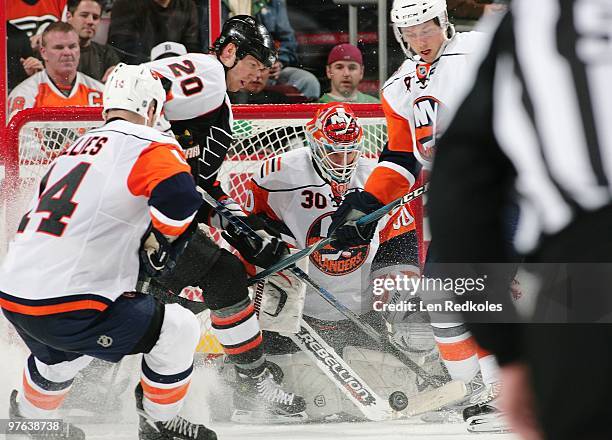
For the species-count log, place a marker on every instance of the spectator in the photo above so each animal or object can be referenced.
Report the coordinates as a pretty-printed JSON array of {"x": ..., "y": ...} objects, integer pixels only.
[
  {"x": 255, "y": 92},
  {"x": 20, "y": 60},
  {"x": 59, "y": 84},
  {"x": 273, "y": 15},
  {"x": 345, "y": 71},
  {"x": 97, "y": 60},
  {"x": 139, "y": 25}
]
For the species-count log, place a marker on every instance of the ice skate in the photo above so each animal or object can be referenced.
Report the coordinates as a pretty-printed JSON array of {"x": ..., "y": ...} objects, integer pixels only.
[
  {"x": 68, "y": 430},
  {"x": 485, "y": 416},
  {"x": 175, "y": 429},
  {"x": 260, "y": 399}
]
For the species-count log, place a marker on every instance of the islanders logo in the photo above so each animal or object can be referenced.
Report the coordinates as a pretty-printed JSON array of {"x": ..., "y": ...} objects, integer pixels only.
[
  {"x": 331, "y": 261},
  {"x": 429, "y": 116}
]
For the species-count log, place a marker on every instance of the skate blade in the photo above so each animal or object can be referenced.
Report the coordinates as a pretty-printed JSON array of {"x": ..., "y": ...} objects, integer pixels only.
[
  {"x": 488, "y": 423},
  {"x": 266, "y": 418}
]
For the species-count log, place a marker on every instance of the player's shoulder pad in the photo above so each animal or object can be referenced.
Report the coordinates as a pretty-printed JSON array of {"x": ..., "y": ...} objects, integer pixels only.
[
  {"x": 139, "y": 131},
  {"x": 287, "y": 171},
  {"x": 406, "y": 68},
  {"x": 466, "y": 43}
]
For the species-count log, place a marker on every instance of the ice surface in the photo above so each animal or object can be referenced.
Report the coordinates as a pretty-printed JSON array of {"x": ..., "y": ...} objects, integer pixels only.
[{"x": 206, "y": 394}]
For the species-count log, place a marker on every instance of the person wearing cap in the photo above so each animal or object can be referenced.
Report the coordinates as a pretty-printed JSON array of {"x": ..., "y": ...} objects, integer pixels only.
[
  {"x": 97, "y": 60},
  {"x": 345, "y": 72},
  {"x": 167, "y": 49}
]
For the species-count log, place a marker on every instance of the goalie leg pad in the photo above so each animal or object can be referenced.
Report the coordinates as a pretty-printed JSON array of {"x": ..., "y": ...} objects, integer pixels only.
[{"x": 279, "y": 300}]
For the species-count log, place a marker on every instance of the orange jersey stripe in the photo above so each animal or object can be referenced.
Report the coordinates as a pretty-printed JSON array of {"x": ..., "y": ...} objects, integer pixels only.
[
  {"x": 482, "y": 353},
  {"x": 246, "y": 347},
  {"x": 44, "y": 401},
  {"x": 164, "y": 396},
  {"x": 167, "y": 229},
  {"x": 234, "y": 318},
  {"x": 386, "y": 184},
  {"x": 458, "y": 351},
  {"x": 156, "y": 163},
  {"x": 71, "y": 306},
  {"x": 260, "y": 201},
  {"x": 398, "y": 129}
]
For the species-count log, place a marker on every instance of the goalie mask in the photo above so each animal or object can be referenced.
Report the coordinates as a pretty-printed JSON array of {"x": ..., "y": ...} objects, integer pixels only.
[
  {"x": 407, "y": 13},
  {"x": 336, "y": 141},
  {"x": 133, "y": 88}
]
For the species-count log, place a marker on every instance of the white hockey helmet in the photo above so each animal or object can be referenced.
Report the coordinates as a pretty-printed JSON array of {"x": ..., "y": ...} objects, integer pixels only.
[
  {"x": 133, "y": 88},
  {"x": 336, "y": 141},
  {"x": 406, "y": 13}
]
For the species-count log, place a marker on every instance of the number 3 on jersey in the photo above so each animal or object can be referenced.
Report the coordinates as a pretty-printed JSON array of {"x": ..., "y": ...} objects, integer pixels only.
[{"x": 57, "y": 201}]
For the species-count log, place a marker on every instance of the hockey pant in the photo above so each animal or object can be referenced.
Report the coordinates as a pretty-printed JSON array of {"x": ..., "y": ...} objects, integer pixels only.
[
  {"x": 62, "y": 344},
  {"x": 222, "y": 279}
]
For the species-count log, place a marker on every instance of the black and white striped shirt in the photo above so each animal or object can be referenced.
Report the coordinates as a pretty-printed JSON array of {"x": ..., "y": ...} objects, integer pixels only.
[{"x": 538, "y": 122}]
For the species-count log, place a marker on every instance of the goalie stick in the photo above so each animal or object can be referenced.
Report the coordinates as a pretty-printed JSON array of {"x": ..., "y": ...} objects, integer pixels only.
[
  {"x": 326, "y": 295},
  {"x": 366, "y": 219},
  {"x": 368, "y": 402}
]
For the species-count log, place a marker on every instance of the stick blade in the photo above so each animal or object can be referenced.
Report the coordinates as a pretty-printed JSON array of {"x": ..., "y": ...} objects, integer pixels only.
[{"x": 432, "y": 400}]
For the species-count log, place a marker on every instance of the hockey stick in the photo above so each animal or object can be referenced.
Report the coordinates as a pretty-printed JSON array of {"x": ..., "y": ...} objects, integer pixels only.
[
  {"x": 388, "y": 345},
  {"x": 352, "y": 386},
  {"x": 244, "y": 228},
  {"x": 366, "y": 219},
  {"x": 392, "y": 347}
]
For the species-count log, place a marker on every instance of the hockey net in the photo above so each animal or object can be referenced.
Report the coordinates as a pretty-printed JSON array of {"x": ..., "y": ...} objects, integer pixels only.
[{"x": 37, "y": 136}]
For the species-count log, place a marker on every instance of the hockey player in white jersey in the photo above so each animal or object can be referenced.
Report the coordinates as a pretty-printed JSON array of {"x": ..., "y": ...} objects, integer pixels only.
[
  {"x": 121, "y": 196},
  {"x": 297, "y": 192},
  {"x": 418, "y": 100},
  {"x": 199, "y": 111}
]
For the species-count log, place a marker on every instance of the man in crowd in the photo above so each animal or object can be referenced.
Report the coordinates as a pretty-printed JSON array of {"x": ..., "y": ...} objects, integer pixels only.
[
  {"x": 138, "y": 25},
  {"x": 97, "y": 60},
  {"x": 345, "y": 72},
  {"x": 286, "y": 70},
  {"x": 60, "y": 84}
]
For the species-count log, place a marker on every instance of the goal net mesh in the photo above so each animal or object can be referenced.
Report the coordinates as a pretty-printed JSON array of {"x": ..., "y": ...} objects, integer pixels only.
[{"x": 260, "y": 133}]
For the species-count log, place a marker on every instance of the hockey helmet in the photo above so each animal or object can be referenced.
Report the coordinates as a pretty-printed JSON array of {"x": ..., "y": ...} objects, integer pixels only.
[
  {"x": 133, "y": 88},
  {"x": 249, "y": 37},
  {"x": 406, "y": 13},
  {"x": 336, "y": 141}
]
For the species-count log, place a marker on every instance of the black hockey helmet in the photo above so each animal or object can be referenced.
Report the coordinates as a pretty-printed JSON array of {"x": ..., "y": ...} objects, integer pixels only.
[{"x": 249, "y": 37}]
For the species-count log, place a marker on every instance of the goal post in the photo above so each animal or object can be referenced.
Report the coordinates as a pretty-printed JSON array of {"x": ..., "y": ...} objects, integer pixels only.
[{"x": 34, "y": 137}]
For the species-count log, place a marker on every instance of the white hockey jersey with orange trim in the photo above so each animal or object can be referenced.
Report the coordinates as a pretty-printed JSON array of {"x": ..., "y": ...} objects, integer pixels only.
[
  {"x": 288, "y": 188},
  {"x": 419, "y": 100},
  {"x": 39, "y": 91},
  {"x": 82, "y": 234},
  {"x": 30, "y": 17},
  {"x": 198, "y": 85}
]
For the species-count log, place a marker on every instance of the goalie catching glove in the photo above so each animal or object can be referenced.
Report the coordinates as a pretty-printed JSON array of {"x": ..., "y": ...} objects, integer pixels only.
[
  {"x": 262, "y": 253},
  {"x": 159, "y": 253},
  {"x": 344, "y": 229}
]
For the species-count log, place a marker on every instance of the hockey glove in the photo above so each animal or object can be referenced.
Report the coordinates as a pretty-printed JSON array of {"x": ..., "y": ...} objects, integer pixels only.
[
  {"x": 158, "y": 255},
  {"x": 262, "y": 253},
  {"x": 344, "y": 230}
]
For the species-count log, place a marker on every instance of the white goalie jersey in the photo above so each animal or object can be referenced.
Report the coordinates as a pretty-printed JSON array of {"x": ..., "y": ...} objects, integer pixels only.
[{"x": 289, "y": 190}]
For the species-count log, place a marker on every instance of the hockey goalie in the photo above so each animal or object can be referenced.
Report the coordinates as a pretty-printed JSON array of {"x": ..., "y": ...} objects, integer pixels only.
[{"x": 297, "y": 192}]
